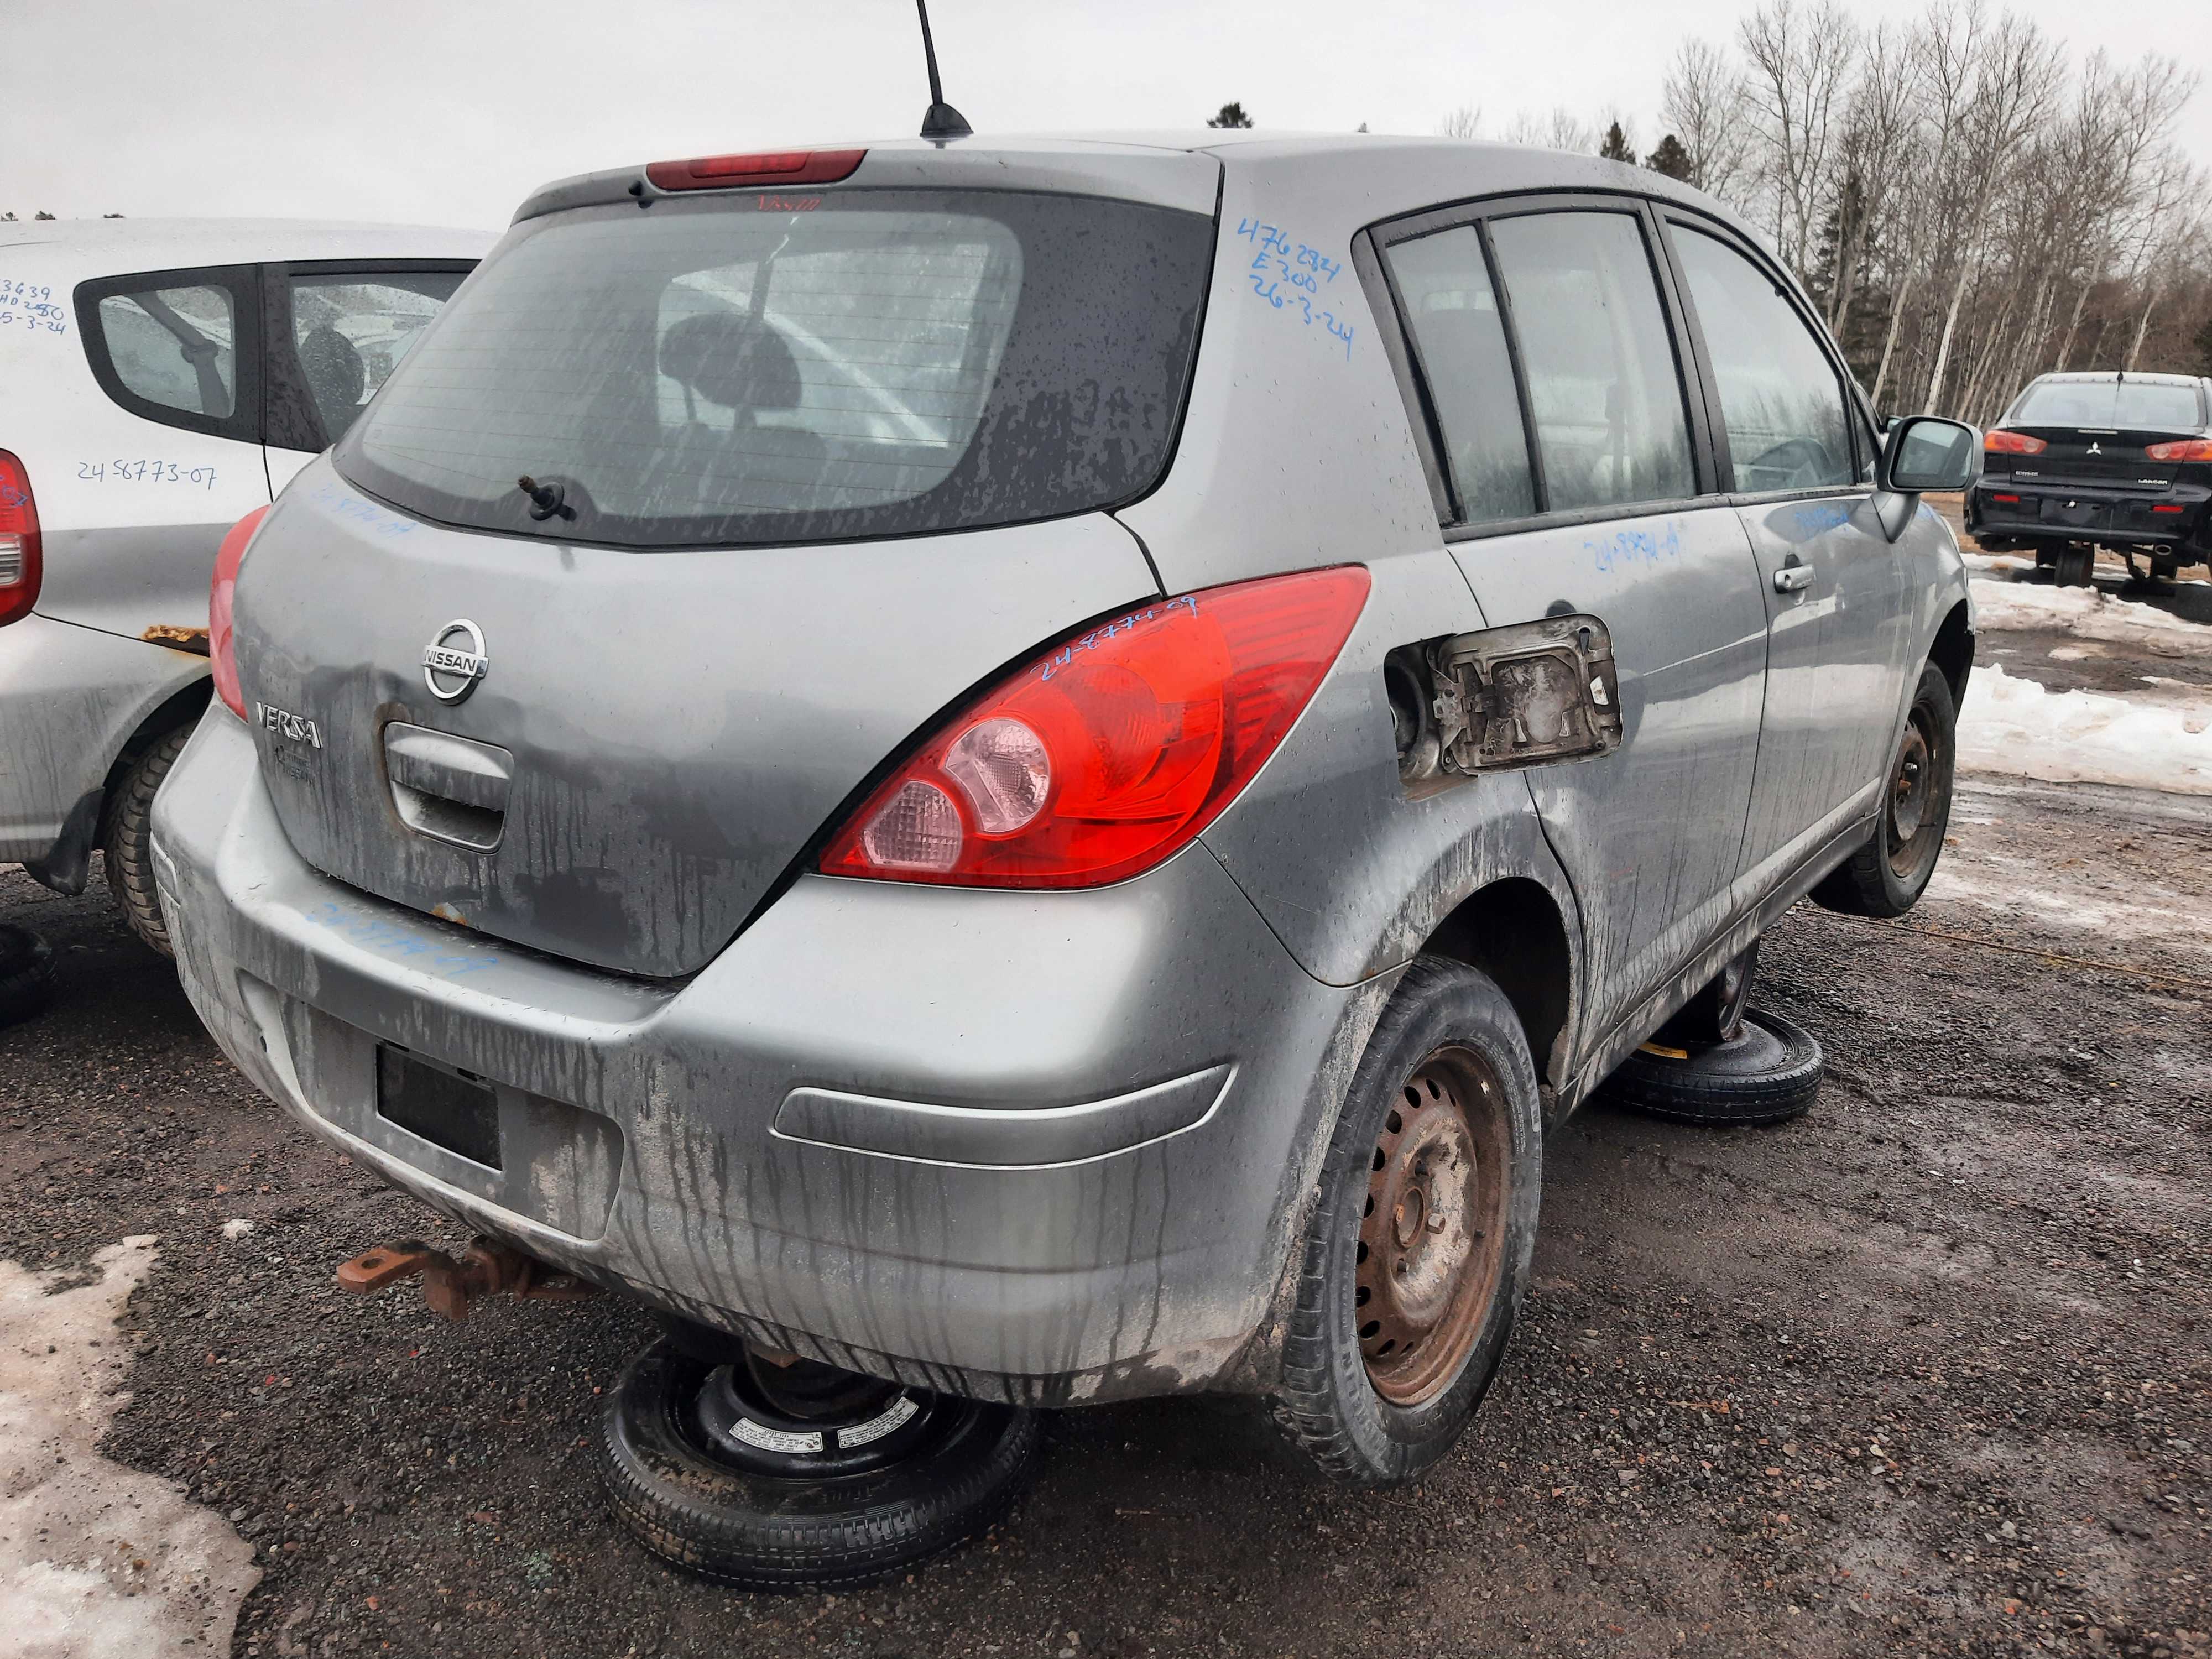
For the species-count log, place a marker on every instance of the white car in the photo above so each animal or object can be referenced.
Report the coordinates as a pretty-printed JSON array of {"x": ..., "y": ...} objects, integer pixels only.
[{"x": 158, "y": 380}]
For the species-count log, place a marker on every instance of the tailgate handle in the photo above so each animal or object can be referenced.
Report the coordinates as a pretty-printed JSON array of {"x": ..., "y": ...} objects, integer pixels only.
[{"x": 449, "y": 789}]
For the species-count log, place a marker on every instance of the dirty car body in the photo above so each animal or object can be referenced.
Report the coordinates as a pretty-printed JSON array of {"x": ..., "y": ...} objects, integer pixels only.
[
  {"x": 568, "y": 865},
  {"x": 158, "y": 379}
]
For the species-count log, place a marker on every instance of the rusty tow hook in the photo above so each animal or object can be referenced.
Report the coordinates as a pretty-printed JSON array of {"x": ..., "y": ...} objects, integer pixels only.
[{"x": 487, "y": 1268}]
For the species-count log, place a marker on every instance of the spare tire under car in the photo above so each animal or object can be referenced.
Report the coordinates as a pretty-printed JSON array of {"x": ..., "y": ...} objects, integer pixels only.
[
  {"x": 775, "y": 1473},
  {"x": 1768, "y": 1073}
]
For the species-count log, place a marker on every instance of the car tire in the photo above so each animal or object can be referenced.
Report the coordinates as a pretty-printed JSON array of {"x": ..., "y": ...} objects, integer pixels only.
[
  {"x": 1889, "y": 871},
  {"x": 2075, "y": 567},
  {"x": 26, "y": 973},
  {"x": 761, "y": 1519},
  {"x": 1769, "y": 1073},
  {"x": 1442, "y": 1123},
  {"x": 1716, "y": 1013},
  {"x": 127, "y": 841}
]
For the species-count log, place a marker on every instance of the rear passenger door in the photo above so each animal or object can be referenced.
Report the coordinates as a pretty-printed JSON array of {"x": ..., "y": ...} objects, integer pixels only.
[
  {"x": 1567, "y": 431},
  {"x": 336, "y": 328},
  {"x": 1797, "y": 458}
]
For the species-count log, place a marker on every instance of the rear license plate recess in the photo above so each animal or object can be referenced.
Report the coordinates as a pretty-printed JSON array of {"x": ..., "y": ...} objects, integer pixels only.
[{"x": 446, "y": 1107}]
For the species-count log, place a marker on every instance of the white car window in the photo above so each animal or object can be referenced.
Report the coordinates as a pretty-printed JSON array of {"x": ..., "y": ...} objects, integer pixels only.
[
  {"x": 349, "y": 331},
  {"x": 172, "y": 346}
]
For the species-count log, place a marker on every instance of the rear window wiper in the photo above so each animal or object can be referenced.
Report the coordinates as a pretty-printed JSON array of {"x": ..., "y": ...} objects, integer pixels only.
[{"x": 547, "y": 501}]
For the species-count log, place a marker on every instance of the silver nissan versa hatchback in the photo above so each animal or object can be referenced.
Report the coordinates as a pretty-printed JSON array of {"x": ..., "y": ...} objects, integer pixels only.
[{"x": 1025, "y": 771}]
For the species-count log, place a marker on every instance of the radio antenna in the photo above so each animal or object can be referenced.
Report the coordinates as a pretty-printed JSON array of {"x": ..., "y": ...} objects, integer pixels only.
[{"x": 940, "y": 121}]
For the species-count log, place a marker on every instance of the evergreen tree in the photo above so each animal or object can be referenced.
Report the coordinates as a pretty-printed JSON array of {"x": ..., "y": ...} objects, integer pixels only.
[
  {"x": 1233, "y": 115},
  {"x": 1616, "y": 146},
  {"x": 1671, "y": 159}
]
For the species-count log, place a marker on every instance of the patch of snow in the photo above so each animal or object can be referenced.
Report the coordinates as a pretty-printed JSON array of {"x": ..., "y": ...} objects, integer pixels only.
[
  {"x": 1997, "y": 562},
  {"x": 237, "y": 1227},
  {"x": 2016, "y": 726},
  {"x": 2087, "y": 614},
  {"x": 96, "y": 1561}
]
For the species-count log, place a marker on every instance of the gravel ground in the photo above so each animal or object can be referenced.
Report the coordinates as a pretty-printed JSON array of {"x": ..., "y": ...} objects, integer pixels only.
[{"x": 1928, "y": 1371}]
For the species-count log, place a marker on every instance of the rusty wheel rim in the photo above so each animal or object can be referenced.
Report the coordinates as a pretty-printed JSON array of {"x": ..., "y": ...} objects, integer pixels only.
[{"x": 1431, "y": 1238}]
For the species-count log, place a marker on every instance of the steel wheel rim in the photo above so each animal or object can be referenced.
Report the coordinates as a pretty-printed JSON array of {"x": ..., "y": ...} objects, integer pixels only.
[
  {"x": 1911, "y": 811},
  {"x": 1432, "y": 1234}
]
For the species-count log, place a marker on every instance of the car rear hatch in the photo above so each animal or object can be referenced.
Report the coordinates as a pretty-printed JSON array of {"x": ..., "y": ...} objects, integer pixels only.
[{"x": 801, "y": 472}]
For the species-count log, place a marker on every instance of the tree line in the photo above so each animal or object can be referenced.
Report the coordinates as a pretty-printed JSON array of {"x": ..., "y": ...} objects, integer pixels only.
[{"x": 1966, "y": 205}]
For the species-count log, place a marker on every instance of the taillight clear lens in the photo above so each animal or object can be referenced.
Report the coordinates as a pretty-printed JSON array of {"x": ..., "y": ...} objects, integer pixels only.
[
  {"x": 1110, "y": 752},
  {"x": 222, "y": 651},
  {"x": 20, "y": 565},
  {"x": 2000, "y": 443},
  {"x": 2189, "y": 449},
  {"x": 1002, "y": 768}
]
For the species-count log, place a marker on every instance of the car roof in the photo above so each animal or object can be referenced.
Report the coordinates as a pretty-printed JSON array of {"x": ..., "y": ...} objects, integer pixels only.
[
  {"x": 70, "y": 250},
  {"x": 2106, "y": 375},
  {"x": 1375, "y": 176}
]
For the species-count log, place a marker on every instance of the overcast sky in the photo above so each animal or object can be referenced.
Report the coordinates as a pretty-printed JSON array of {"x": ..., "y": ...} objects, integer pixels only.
[{"x": 449, "y": 111}]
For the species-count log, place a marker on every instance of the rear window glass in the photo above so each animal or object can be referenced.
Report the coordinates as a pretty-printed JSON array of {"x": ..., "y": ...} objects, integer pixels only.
[
  {"x": 2109, "y": 405},
  {"x": 726, "y": 372}
]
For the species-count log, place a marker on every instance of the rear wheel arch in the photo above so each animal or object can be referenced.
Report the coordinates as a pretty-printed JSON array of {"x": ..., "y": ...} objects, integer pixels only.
[
  {"x": 182, "y": 706},
  {"x": 1514, "y": 930}
]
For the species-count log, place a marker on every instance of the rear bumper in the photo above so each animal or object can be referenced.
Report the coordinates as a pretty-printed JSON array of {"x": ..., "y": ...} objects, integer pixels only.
[
  {"x": 1039, "y": 1148},
  {"x": 2057, "y": 513}
]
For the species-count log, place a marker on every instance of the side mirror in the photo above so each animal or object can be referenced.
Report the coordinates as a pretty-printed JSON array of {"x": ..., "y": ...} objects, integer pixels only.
[{"x": 1923, "y": 452}]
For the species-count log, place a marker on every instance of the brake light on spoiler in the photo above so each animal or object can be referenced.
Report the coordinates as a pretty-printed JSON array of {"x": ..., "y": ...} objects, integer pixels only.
[{"x": 780, "y": 167}]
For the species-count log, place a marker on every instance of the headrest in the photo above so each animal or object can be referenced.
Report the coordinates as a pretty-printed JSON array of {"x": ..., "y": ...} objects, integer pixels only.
[
  {"x": 733, "y": 360},
  {"x": 333, "y": 368}
]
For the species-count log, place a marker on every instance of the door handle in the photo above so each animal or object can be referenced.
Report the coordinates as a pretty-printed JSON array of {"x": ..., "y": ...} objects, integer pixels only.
[{"x": 1793, "y": 577}]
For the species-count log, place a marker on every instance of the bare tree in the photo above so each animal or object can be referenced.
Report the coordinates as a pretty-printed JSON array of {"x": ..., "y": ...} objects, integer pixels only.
[
  {"x": 1562, "y": 129},
  {"x": 1702, "y": 103},
  {"x": 1465, "y": 122},
  {"x": 2013, "y": 79},
  {"x": 1801, "y": 53}
]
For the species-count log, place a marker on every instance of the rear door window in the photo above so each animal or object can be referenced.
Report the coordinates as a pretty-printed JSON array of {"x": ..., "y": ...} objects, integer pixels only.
[
  {"x": 1782, "y": 403},
  {"x": 1450, "y": 308},
  {"x": 1604, "y": 389},
  {"x": 349, "y": 329},
  {"x": 176, "y": 346},
  {"x": 729, "y": 372}
]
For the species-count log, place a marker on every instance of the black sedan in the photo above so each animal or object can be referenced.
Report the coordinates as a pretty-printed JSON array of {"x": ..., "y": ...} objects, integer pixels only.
[{"x": 2083, "y": 461}]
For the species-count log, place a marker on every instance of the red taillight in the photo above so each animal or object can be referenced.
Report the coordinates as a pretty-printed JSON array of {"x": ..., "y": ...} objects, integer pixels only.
[
  {"x": 2010, "y": 500},
  {"x": 786, "y": 166},
  {"x": 2188, "y": 449},
  {"x": 2000, "y": 443},
  {"x": 22, "y": 564},
  {"x": 1113, "y": 750},
  {"x": 2168, "y": 506},
  {"x": 222, "y": 651}
]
